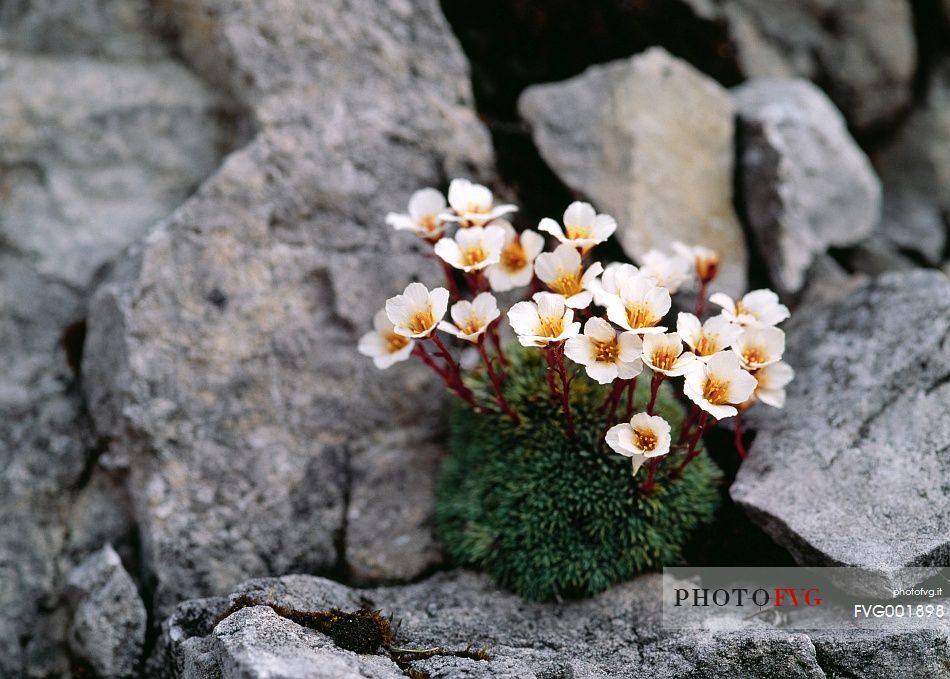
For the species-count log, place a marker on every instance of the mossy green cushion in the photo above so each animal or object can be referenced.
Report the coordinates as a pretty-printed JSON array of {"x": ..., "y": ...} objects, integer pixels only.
[{"x": 547, "y": 517}]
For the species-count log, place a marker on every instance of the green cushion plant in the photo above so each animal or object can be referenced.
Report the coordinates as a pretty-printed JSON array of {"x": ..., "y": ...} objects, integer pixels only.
[{"x": 550, "y": 517}]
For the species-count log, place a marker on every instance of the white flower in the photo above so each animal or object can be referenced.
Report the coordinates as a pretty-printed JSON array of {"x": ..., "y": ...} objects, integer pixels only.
[
  {"x": 770, "y": 383},
  {"x": 645, "y": 436},
  {"x": 563, "y": 273},
  {"x": 544, "y": 321},
  {"x": 664, "y": 354},
  {"x": 515, "y": 265},
  {"x": 416, "y": 312},
  {"x": 472, "y": 249},
  {"x": 667, "y": 271},
  {"x": 640, "y": 306},
  {"x": 383, "y": 344},
  {"x": 605, "y": 354},
  {"x": 705, "y": 261},
  {"x": 583, "y": 226},
  {"x": 759, "y": 347},
  {"x": 610, "y": 282},
  {"x": 425, "y": 218},
  {"x": 709, "y": 338},
  {"x": 474, "y": 204},
  {"x": 472, "y": 318},
  {"x": 715, "y": 384},
  {"x": 757, "y": 308}
]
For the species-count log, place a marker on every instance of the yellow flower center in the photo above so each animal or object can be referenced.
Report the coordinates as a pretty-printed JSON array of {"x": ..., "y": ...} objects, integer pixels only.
[
  {"x": 707, "y": 344},
  {"x": 664, "y": 358},
  {"x": 755, "y": 355},
  {"x": 474, "y": 255},
  {"x": 568, "y": 283},
  {"x": 477, "y": 208},
  {"x": 430, "y": 223},
  {"x": 513, "y": 257},
  {"x": 606, "y": 352},
  {"x": 740, "y": 310},
  {"x": 640, "y": 316},
  {"x": 395, "y": 342},
  {"x": 645, "y": 439},
  {"x": 550, "y": 326},
  {"x": 575, "y": 232},
  {"x": 715, "y": 391},
  {"x": 421, "y": 321},
  {"x": 471, "y": 325}
]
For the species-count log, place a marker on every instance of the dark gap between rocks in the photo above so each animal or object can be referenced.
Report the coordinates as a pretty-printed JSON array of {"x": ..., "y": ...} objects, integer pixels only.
[{"x": 511, "y": 44}]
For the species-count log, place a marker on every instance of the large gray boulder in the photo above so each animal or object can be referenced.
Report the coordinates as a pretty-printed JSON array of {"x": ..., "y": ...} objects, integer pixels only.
[
  {"x": 862, "y": 51},
  {"x": 853, "y": 471},
  {"x": 107, "y": 631},
  {"x": 915, "y": 169},
  {"x": 616, "y": 634},
  {"x": 102, "y": 133},
  {"x": 221, "y": 359},
  {"x": 806, "y": 186},
  {"x": 650, "y": 141}
]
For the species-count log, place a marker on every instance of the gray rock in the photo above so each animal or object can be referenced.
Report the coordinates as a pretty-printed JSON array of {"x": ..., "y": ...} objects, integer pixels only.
[
  {"x": 806, "y": 184},
  {"x": 617, "y": 634},
  {"x": 650, "y": 141},
  {"x": 108, "y": 622},
  {"x": 915, "y": 169},
  {"x": 105, "y": 29},
  {"x": 221, "y": 359},
  {"x": 853, "y": 471},
  {"x": 101, "y": 134},
  {"x": 863, "y": 51},
  {"x": 876, "y": 255}
]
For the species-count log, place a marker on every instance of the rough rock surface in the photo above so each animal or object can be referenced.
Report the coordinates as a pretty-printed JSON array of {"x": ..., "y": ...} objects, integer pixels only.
[
  {"x": 863, "y": 51},
  {"x": 107, "y": 631},
  {"x": 853, "y": 471},
  {"x": 221, "y": 360},
  {"x": 650, "y": 141},
  {"x": 806, "y": 185},
  {"x": 616, "y": 634},
  {"x": 915, "y": 170},
  {"x": 101, "y": 134}
]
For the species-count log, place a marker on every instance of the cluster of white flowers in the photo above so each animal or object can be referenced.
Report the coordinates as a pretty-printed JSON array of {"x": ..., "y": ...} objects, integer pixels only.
[{"x": 609, "y": 320}]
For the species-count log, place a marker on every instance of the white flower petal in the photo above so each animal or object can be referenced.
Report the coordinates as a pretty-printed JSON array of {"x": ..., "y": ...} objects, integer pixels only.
[
  {"x": 602, "y": 373},
  {"x": 426, "y": 202}
]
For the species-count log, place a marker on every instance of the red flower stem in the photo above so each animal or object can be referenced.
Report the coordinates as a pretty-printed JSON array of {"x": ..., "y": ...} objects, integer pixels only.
[
  {"x": 740, "y": 446},
  {"x": 454, "y": 378},
  {"x": 631, "y": 398},
  {"x": 654, "y": 390},
  {"x": 444, "y": 353},
  {"x": 549, "y": 373},
  {"x": 419, "y": 351},
  {"x": 450, "y": 279},
  {"x": 688, "y": 423},
  {"x": 477, "y": 281},
  {"x": 692, "y": 452},
  {"x": 496, "y": 383},
  {"x": 536, "y": 286},
  {"x": 612, "y": 401},
  {"x": 613, "y": 398},
  {"x": 496, "y": 341},
  {"x": 556, "y": 360},
  {"x": 647, "y": 485},
  {"x": 701, "y": 300}
]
